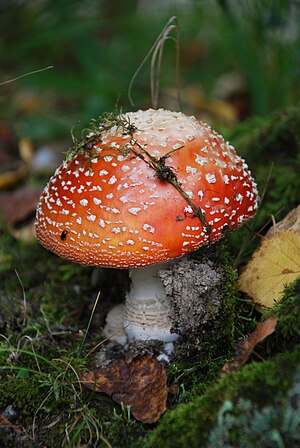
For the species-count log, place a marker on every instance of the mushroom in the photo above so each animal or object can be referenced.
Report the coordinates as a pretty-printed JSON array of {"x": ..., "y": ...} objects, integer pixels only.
[{"x": 141, "y": 189}]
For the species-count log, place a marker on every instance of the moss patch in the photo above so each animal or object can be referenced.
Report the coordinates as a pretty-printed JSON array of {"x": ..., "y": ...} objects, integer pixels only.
[
  {"x": 287, "y": 311},
  {"x": 190, "y": 424},
  {"x": 199, "y": 358},
  {"x": 47, "y": 313},
  {"x": 271, "y": 147}
]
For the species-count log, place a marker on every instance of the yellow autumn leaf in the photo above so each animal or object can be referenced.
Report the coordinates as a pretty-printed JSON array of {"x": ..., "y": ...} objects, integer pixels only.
[{"x": 275, "y": 264}]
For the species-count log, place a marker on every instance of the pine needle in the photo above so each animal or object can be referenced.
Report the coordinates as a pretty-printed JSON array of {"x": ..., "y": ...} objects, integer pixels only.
[
  {"x": 156, "y": 54},
  {"x": 90, "y": 321},
  {"x": 33, "y": 72}
]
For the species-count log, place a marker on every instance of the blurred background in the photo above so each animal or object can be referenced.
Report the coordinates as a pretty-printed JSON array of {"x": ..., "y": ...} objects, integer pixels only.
[
  {"x": 239, "y": 71},
  {"x": 239, "y": 63},
  {"x": 237, "y": 59}
]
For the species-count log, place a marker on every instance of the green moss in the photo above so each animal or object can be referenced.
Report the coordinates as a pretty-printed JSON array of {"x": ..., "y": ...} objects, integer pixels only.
[
  {"x": 23, "y": 395},
  {"x": 281, "y": 183},
  {"x": 52, "y": 397},
  {"x": 271, "y": 147},
  {"x": 279, "y": 132},
  {"x": 287, "y": 311},
  {"x": 229, "y": 294},
  {"x": 53, "y": 306},
  {"x": 190, "y": 424},
  {"x": 92, "y": 135},
  {"x": 197, "y": 368},
  {"x": 245, "y": 424},
  {"x": 45, "y": 287},
  {"x": 124, "y": 431}
]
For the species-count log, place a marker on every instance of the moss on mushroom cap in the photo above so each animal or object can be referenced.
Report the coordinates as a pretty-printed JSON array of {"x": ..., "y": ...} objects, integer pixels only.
[{"x": 150, "y": 187}]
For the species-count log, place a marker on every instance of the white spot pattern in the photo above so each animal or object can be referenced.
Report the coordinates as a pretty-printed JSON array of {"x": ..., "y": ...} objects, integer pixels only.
[{"x": 127, "y": 179}]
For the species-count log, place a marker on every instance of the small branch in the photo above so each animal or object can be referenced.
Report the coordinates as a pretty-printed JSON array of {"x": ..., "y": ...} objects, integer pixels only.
[
  {"x": 156, "y": 54},
  {"x": 164, "y": 173},
  {"x": 26, "y": 74}
]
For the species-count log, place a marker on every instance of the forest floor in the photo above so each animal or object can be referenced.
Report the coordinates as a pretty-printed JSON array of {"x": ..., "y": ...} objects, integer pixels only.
[{"x": 51, "y": 322}]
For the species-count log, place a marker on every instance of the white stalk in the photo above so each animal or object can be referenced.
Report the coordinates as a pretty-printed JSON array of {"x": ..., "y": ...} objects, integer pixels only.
[
  {"x": 147, "y": 308},
  {"x": 113, "y": 329}
]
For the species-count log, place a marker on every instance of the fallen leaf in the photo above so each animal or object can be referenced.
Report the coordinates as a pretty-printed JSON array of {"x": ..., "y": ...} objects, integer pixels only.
[
  {"x": 275, "y": 264},
  {"x": 26, "y": 149},
  {"x": 140, "y": 383},
  {"x": 12, "y": 174},
  {"x": 8, "y": 145},
  {"x": 12, "y": 167},
  {"x": 5, "y": 422},
  {"x": 47, "y": 157},
  {"x": 18, "y": 205},
  {"x": 290, "y": 222},
  {"x": 197, "y": 104},
  {"x": 25, "y": 233},
  {"x": 245, "y": 347}
]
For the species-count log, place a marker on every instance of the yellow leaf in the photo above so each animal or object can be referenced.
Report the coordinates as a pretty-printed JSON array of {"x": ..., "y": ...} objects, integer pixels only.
[{"x": 275, "y": 264}]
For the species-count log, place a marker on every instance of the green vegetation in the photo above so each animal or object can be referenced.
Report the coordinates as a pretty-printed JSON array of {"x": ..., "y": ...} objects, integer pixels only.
[
  {"x": 288, "y": 313},
  {"x": 46, "y": 303},
  {"x": 264, "y": 385},
  {"x": 254, "y": 405},
  {"x": 101, "y": 44},
  {"x": 272, "y": 147},
  {"x": 209, "y": 350},
  {"x": 42, "y": 351},
  {"x": 42, "y": 354},
  {"x": 84, "y": 144}
]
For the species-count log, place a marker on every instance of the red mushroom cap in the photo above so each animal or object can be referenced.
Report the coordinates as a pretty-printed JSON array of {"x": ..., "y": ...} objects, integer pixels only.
[{"x": 155, "y": 188}]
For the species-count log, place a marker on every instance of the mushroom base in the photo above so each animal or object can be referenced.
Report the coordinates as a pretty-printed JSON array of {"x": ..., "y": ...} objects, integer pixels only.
[
  {"x": 146, "y": 314},
  {"x": 147, "y": 310},
  {"x": 113, "y": 329}
]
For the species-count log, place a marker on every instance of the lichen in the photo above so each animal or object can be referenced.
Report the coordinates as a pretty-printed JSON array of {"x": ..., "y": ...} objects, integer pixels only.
[
  {"x": 246, "y": 425},
  {"x": 264, "y": 383},
  {"x": 245, "y": 408},
  {"x": 59, "y": 298}
]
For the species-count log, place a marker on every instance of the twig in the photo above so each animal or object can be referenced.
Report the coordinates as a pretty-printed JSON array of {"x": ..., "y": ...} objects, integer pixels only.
[
  {"x": 156, "y": 51},
  {"x": 33, "y": 72}
]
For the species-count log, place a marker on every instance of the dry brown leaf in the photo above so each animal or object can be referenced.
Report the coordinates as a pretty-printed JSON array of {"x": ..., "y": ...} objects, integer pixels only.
[
  {"x": 24, "y": 233},
  {"x": 18, "y": 205},
  {"x": 290, "y": 222},
  {"x": 15, "y": 172},
  {"x": 246, "y": 346},
  {"x": 8, "y": 145},
  {"x": 140, "y": 383},
  {"x": 5, "y": 422},
  {"x": 275, "y": 264},
  {"x": 26, "y": 149},
  {"x": 17, "y": 210}
]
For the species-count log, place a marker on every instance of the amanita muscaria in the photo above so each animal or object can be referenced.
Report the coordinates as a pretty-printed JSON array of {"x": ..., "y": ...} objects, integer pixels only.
[{"x": 142, "y": 189}]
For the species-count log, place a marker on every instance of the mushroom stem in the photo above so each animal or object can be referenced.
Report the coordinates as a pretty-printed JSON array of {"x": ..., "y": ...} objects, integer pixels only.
[{"x": 147, "y": 310}]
